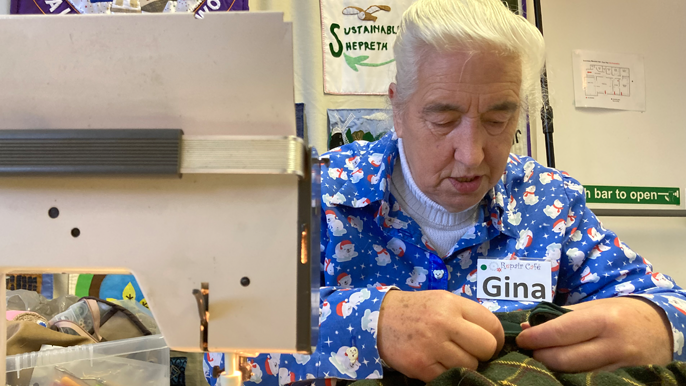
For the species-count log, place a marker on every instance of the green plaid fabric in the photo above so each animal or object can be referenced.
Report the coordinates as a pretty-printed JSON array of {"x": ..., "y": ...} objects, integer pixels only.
[{"x": 516, "y": 367}]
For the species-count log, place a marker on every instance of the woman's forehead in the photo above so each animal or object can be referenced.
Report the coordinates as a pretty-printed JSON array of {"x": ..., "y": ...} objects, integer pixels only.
[
  {"x": 458, "y": 79},
  {"x": 470, "y": 68}
]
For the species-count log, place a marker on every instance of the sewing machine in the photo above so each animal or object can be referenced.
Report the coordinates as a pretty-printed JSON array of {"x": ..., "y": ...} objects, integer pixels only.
[{"x": 216, "y": 214}]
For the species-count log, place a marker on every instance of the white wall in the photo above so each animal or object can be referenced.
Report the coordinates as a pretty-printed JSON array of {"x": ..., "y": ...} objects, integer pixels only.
[
  {"x": 611, "y": 147},
  {"x": 4, "y": 7}
]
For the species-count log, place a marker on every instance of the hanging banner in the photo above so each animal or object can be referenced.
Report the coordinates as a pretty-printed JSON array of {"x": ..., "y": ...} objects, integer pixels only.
[{"x": 357, "y": 40}]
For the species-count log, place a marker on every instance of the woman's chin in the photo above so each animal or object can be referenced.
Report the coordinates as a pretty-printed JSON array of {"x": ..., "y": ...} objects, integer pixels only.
[{"x": 460, "y": 204}]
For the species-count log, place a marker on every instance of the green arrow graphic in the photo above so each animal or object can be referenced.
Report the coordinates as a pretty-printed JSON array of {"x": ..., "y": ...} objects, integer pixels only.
[{"x": 354, "y": 61}]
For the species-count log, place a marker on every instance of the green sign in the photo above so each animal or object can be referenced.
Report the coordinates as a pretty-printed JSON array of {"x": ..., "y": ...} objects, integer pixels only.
[{"x": 632, "y": 195}]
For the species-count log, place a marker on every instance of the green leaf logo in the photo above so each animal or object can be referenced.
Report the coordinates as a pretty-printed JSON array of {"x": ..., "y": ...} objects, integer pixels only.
[{"x": 354, "y": 61}]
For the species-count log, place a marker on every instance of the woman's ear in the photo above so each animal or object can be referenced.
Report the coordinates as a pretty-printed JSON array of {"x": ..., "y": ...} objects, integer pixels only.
[
  {"x": 397, "y": 121},
  {"x": 391, "y": 92}
]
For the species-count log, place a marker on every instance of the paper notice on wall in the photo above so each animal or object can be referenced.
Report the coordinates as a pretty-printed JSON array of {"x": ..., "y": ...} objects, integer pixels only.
[
  {"x": 357, "y": 40},
  {"x": 610, "y": 81}
]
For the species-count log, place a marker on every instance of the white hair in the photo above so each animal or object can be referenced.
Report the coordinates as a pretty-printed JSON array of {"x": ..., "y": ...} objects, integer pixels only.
[{"x": 471, "y": 26}]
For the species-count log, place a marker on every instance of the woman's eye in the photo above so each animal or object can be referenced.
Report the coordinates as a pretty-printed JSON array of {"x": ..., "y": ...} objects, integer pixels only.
[
  {"x": 443, "y": 124},
  {"x": 495, "y": 126}
]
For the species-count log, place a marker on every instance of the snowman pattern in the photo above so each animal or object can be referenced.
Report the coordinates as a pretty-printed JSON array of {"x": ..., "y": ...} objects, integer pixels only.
[
  {"x": 382, "y": 256},
  {"x": 285, "y": 376},
  {"x": 597, "y": 250},
  {"x": 559, "y": 227},
  {"x": 351, "y": 163},
  {"x": 513, "y": 216},
  {"x": 338, "y": 173},
  {"x": 631, "y": 255},
  {"x": 256, "y": 376},
  {"x": 346, "y": 360},
  {"x": 397, "y": 246},
  {"x": 526, "y": 237},
  {"x": 552, "y": 255},
  {"x": 589, "y": 277},
  {"x": 370, "y": 320},
  {"x": 625, "y": 288},
  {"x": 661, "y": 280},
  {"x": 465, "y": 259},
  {"x": 328, "y": 266},
  {"x": 417, "y": 277},
  {"x": 271, "y": 364},
  {"x": 576, "y": 258},
  {"x": 334, "y": 200},
  {"x": 365, "y": 222},
  {"x": 345, "y": 251},
  {"x": 346, "y": 307},
  {"x": 324, "y": 312},
  {"x": 553, "y": 210},
  {"x": 491, "y": 305},
  {"x": 345, "y": 280},
  {"x": 529, "y": 170},
  {"x": 356, "y": 223},
  {"x": 334, "y": 224},
  {"x": 530, "y": 197},
  {"x": 356, "y": 175},
  {"x": 678, "y": 337}
]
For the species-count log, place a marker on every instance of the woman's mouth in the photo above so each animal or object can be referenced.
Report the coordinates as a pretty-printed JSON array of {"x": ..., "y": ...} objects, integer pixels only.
[{"x": 467, "y": 184}]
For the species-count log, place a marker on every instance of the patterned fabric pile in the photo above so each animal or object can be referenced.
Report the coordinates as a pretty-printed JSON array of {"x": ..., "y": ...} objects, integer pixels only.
[{"x": 516, "y": 367}]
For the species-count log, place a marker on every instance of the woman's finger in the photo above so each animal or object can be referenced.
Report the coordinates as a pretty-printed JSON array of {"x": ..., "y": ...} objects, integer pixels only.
[
  {"x": 430, "y": 372},
  {"x": 586, "y": 356},
  {"x": 451, "y": 355},
  {"x": 474, "y": 340},
  {"x": 482, "y": 317},
  {"x": 568, "y": 329}
]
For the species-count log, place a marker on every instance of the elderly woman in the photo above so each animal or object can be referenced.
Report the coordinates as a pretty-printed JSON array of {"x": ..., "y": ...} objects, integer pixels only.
[{"x": 407, "y": 217}]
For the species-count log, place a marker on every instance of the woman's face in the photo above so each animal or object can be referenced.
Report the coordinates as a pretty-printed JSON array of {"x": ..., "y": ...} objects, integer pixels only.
[{"x": 458, "y": 126}]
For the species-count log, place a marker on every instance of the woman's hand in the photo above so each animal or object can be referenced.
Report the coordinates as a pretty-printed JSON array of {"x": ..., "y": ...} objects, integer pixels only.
[
  {"x": 602, "y": 334},
  {"x": 422, "y": 334}
]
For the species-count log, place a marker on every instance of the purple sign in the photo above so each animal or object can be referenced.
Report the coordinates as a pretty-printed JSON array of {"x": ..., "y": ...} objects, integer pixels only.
[
  {"x": 220, "y": 6},
  {"x": 62, "y": 7},
  {"x": 45, "y": 7}
]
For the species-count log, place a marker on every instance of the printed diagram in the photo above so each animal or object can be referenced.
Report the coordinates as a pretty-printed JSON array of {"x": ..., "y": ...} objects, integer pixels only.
[{"x": 607, "y": 80}]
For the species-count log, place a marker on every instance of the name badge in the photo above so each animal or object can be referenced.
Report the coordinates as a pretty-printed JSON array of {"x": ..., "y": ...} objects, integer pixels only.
[{"x": 524, "y": 280}]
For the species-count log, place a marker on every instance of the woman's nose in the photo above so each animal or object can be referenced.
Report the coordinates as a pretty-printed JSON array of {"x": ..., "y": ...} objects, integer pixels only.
[{"x": 469, "y": 144}]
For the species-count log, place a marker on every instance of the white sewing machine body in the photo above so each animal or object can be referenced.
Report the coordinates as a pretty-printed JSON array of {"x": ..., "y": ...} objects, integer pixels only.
[
  {"x": 173, "y": 235},
  {"x": 224, "y": 77}
]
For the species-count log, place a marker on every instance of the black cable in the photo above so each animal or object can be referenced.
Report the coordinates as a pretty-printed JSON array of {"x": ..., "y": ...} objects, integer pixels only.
[{"x": 546, "y": 110}]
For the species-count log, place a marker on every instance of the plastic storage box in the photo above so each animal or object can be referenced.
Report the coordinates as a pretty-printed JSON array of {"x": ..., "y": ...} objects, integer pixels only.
[{"x": 131, "y": 362}]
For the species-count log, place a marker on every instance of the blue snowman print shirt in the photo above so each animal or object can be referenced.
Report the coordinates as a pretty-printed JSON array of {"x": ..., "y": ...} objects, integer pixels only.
[{"x": 370, "y": 246}]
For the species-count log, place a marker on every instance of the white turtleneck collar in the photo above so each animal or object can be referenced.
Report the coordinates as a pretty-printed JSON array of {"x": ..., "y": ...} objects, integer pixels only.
[{"x": 441, "y": 227}]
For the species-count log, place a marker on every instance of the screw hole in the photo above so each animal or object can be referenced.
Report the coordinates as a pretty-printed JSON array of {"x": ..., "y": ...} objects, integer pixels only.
[
  {"x": 53, "y": 212},
  {"x": 75, "y": 232},
  {"x": 245, "y": 281}
]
